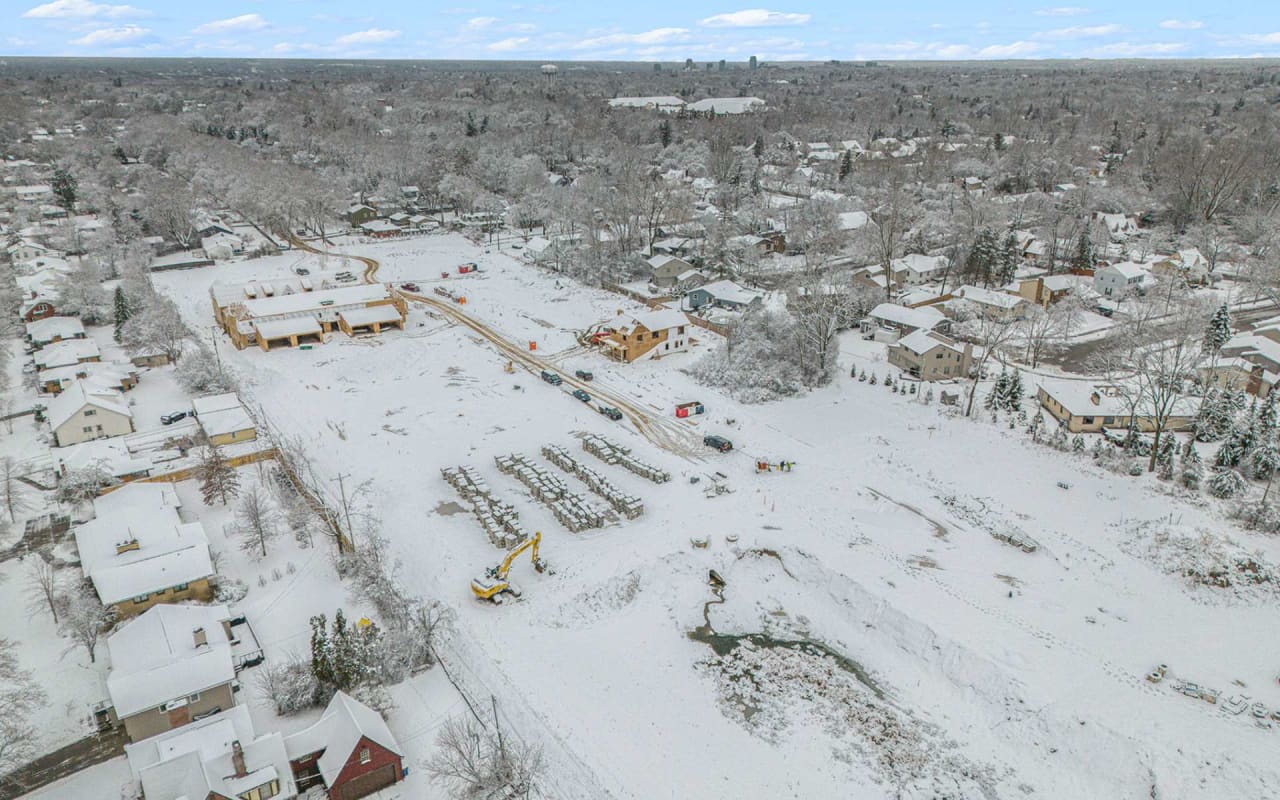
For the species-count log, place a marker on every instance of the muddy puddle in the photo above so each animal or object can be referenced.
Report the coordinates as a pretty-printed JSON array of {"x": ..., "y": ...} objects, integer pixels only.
[
  {"x": 448, "y": 509},
  {"x": 723, "y": 644}
]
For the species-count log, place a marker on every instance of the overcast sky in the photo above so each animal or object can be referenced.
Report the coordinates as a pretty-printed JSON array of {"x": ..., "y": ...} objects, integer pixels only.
[{"x": 655, "y": 30}]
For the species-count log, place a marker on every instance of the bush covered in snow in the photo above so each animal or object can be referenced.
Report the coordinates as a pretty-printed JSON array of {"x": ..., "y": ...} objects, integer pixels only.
[
  {"x": 757, "y": 362},
  {"x": 199, "y": 373}
]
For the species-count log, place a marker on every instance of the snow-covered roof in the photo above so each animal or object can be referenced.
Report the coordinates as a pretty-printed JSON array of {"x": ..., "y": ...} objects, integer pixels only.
[
  {"x": 1064, "y": 282},
  {"x": 656, "y": 101},
  {"x": 728, "y": 105},
  {"x": 536, "y": 244},
  {"x": 924, "y": 318},
  {"x": 215, "y": 402},
  {"x": 229, "y": 420},
  {"x": 1127, "y": 269},
  {"x": 48, "y": 329},
  {"x": 987, "y": 297},
  {"x": 98, "y": 373},
  {"x": 345, "y": 721},
  {"x": 68, "y": 351},
  {"x": 302, "y": 302},
  {"x": 852, "y": 220},
  {"x": 918, "y": 262},
  {"x": 270, "y": 329},
  {"x": 661, "y": 260},
  {"x": 142, "y": 497},
  {"x": 368, "y": 315},
  {"x": 79, "y": 394},
  {"x": 922, "y": 341},
  {"x": 731, "y": 292},
  {"x": 154, "y": 657},
  {"x": 195, "y": 760},
  {"x": 652, "y": 320},
  {"x": 379, "y": 226},
  {"x": 1085, "y": 399},
  {"x": 109, "y": 455}
]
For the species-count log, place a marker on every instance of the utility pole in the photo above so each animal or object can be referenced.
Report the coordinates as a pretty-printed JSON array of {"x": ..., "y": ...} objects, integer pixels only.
[
  {"x": 346, "y": 512},
  {"x": 497, "y": 726}
]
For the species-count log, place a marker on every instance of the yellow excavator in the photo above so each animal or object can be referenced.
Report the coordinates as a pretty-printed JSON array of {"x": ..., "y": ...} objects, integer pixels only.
[{"x": 494, "y": 584}]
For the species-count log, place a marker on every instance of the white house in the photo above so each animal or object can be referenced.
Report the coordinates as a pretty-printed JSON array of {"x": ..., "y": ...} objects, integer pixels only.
[
  {"x": 993, "y": 304},
  {"x": 83, "y": 412},
  {"x": 1118, "y": 281},
  {"x": 915, "y": 269},
  {"x": 221, "y": 245},
  {"x": 905, "y": 320},
  {"x": 217, "y": 756},
  {"x": 54, "y": 329},
  {"x": 67, "y": 352}
]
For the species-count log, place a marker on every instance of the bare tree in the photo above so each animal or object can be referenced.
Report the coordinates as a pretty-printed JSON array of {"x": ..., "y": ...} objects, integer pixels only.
[
  {"x": 257, "y": 518},
  {"x": 1044, "y": 328},
  {"x": 891, "y": 215},
  {"x": 1154, "y": 378},
  {"x": 20, "y": 696},
  {"x": 44, "y": 585},
  {"x": 15, "y": 499},
  {"x": 84, "y": 618},
  {"x": 989, "y": 332},
  {"x": 475, "y": 761}
]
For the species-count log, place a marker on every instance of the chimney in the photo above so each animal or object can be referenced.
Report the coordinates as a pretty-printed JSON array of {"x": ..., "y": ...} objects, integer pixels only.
[
  {"x": 199, "y": 637},
  {"x": 127, "y": 546},
  {"x": 237, "y": 759}
]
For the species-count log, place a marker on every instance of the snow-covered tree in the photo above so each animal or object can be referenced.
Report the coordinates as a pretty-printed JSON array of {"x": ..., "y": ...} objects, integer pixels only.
[
  {"x": 757, "y": 362},
  {"x": 218, "y": 479},
  {"x": 200, "y": 373},
  {"x": 472, "y": 760},
  {"x": 256, "y": 518},
  {"x": 11, "y": 489},
  {"x": 1218, "y": 331},
  {"x": 1166, "y": 456},
  {"x": 123, "y": 311},
  {"x": 156, "y": 327},
  {"x": 1192, "y": 467},
  {"x": 43, "y": 588},
  {"x": 20, "y": 697},
  {"x": 84, "y": 619},
  {"x": 1226, "y": 483},
  {"x": 78, "y": 485}
]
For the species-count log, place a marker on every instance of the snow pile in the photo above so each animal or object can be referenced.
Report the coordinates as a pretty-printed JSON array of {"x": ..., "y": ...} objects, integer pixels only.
[
  {"x": 774, "y": 689},
  {"x": 978, "y": 512},
  {"x": 1207, "y": 561}
]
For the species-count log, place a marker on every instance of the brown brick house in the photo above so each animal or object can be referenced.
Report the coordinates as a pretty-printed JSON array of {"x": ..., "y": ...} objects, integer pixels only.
[{"x": 350, "y": 751}]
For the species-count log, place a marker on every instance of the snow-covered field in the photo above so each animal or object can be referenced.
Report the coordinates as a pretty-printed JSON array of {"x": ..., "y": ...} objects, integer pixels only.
[{"x": 997, "y": 673}]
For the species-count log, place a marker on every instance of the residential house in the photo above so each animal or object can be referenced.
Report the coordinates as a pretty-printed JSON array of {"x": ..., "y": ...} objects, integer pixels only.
[
  {"x": 930, "y": 356},
  {"x": 916, "y": 269},
  {"x": 723, "y": 294},
  {"x": 67, "y": 352},
  {"x": 1242, "y": 374},
  {"x": 49, "y": 330},
  {"x": 83, "y": 412},
  {"x": 27, "y": 250},
  {"x": 138, "y": 552},
  {"x": 666, "y": 270},
  {"x": 648, "y": 334},
  {"x": 171, "y": 666},
  {"x": 350, "y": 751},
  {"x": 852, "y": 220},
  {"x": 110, "y": 375},
  {"x": 905, "y": 320},
  {"x": 1188, "y": 265},
  {"x": 1045, "y": 290},
  {"x": 1118, "y": 281},
  {"x": 380, "y": 228},
  {"x": 224, "y": 419},
  {"x": 1090, "y": 408},
  {"x": 112, "y": 456},
  {"x": 149, "y": 358},
  {"x": 359, "y": 214},
  {"x": 292, "y": 311},
  {"x": 219, "y": 757},
  {"x": 1118, "y": 226},
  {"x": 1000, "y": 306},
  {"x": 222, "y": 245}
]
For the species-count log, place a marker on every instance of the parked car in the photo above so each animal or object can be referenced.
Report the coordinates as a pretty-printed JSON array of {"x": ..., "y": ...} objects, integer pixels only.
[
  {"x": 169, "y": 419},
  {"x": 610, "y": 412},
  {"x": 717, "y": 443},
  {"x": 302, "y": 271},
  {"x": 581, "y": 395},
  {"x": 552, "y": 378},
  {"x": 583, "y": 374},
  {"x": 410, "y": 287}
]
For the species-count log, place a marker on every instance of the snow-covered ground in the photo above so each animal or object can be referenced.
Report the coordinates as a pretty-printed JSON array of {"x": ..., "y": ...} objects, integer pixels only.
[{"x": 1001, "y": 673}]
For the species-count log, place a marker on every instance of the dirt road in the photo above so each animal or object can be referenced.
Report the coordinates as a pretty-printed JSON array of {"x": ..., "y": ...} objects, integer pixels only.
[{"x": 668, "y": 434}]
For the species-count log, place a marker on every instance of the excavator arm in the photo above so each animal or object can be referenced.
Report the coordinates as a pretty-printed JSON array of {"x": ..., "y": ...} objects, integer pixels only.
[{"x": 494, "y": 582}]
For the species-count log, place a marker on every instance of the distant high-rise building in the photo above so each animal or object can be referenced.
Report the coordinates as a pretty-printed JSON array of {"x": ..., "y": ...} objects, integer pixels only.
[
  {"x": 752, "y": 63},
  {"x": 688, "y": 63},
  {"x": 722, "y": 65}
]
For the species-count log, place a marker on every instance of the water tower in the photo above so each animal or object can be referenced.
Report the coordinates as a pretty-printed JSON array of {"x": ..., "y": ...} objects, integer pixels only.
[{"x": 549, "y": 72}]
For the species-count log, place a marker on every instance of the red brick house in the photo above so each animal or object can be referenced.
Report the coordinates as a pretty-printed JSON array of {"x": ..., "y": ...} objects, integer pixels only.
[{"x": 350, "y": 751}]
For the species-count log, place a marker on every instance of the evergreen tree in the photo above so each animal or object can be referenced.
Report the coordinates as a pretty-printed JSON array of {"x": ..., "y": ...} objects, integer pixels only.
[
  {"x": 123, "y": 312},
  {"x": 664, "y": 133},
  {"x": 1218, "y": 331},
  {"x": 1166, "y": 456},
  {"x": 1226, "y": 482},
  {"x": 846, "y": 165},
  {"x": 1264, "y": 456},
  {"x": 218, "y": 479},
  {"x": 983, "y": 258},
  {"x": 1007, "y": 264},
  {"x": 998, "y": 397},
  {"x": 1016, "y": 392},
  {"x": 1077, "y": 443},
  {"x": 1192, "y": 468},
  {"x": 65, "y": 188},
  {"x": 1204, "y": 426},
  {"x": 1083, "y": 256},
  {"x": 1059, "y": 440}
]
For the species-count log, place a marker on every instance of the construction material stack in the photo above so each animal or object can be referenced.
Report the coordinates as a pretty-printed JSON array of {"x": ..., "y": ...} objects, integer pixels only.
[
  {"x": 611, "y": 452},
  {"x": 629, "y": 506},
  {"x": 572, "y": 510},
  {"x": 500, "y": 520}
]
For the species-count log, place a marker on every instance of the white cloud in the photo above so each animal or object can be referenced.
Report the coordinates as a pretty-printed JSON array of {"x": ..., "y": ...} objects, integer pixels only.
[
  {"x": 1138, "y": 50},
  {"x": 16, "y": 41},
  {"x": 479, "y": 23},
  {"x": 112, "y": 36},
  {"x": 371, "y": 36},
  {"x": 754, "y": 18},
  {"x": 655, "y": 36},
  {"x": 1062, "y": 11},
  {"x": 1182, "y": 24},
  {"x": 507, "y": 45},
  {"x": 1011, "y": 50},
  {"x": 1081, "y": 32},
  {"x": 244, "y": 23},
  {"x": 1263, "y": 38},
  {"x": 81, "y": 9}
]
